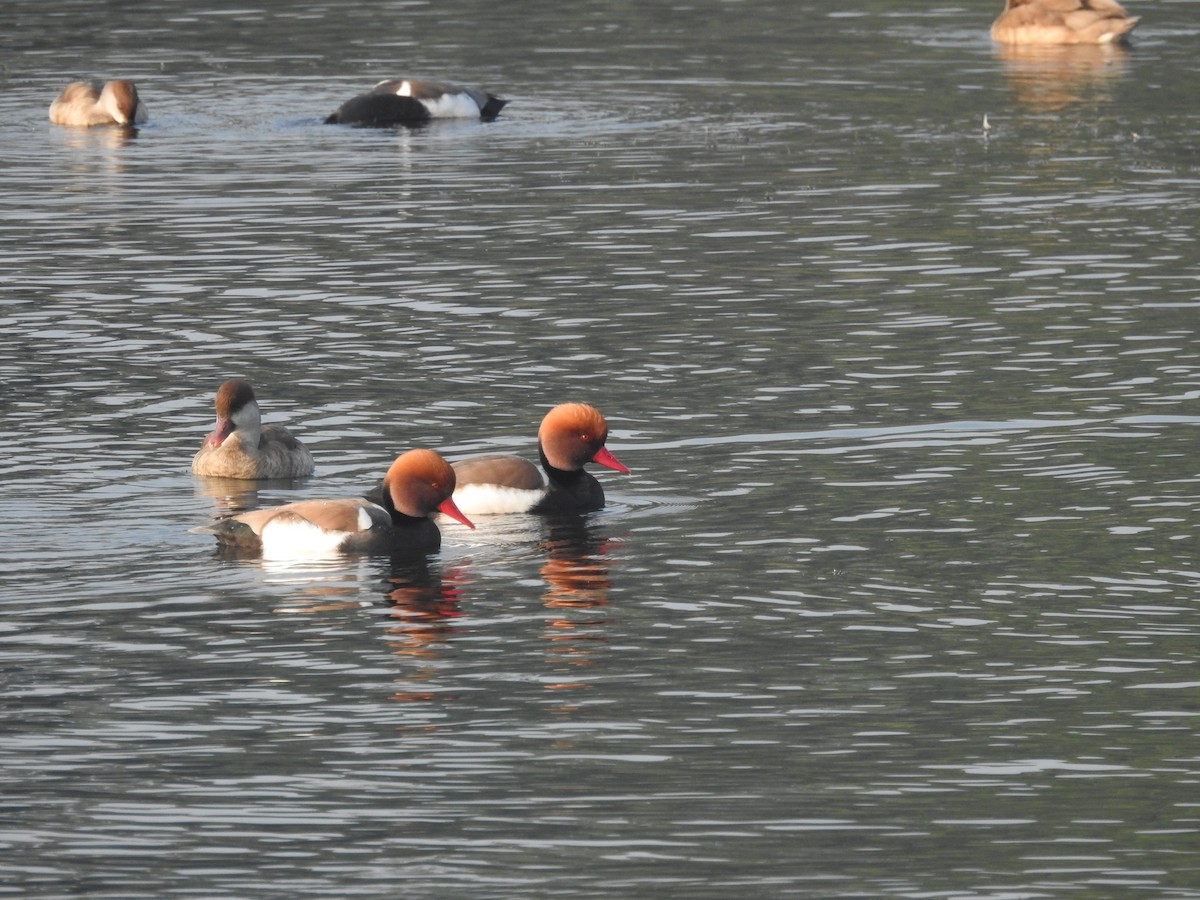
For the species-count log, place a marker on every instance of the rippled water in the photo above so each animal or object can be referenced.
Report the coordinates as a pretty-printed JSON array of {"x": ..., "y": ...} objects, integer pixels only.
[{"x": 900, "y": 599}]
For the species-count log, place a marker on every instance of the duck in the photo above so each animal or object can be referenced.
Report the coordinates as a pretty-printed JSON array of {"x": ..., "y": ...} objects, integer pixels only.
[
  {"x": 1062, "y": 22},
  {"x": 570, "y": 436},
  {"x": 242, "y": 447},
  {"x": 99, "y": 103},
  {"x": 412, "y": 101},
  {"x": 393, "y": 518}
]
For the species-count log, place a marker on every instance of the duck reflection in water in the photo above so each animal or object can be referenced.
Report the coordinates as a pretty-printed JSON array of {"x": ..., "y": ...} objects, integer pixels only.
[
  {"x": 423, "y": 606},
  {"x": 421, "y": 600},
  {"x": 1049, "y": 78},
  {"x": 230, "y": 496},
  {"x": 576, "y": 572},
  {"x": 89, "y": 147}
]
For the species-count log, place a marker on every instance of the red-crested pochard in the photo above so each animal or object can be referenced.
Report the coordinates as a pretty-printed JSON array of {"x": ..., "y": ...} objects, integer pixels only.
[
  {"x": 242, "y": 447},
  {"x": 409, "y": 101},
  {"x": 571, "y": 435},
  {"x": 98, "y": 103},
  {"x": 1061, "y": 22},
  {"x": 392, "y": 518}
]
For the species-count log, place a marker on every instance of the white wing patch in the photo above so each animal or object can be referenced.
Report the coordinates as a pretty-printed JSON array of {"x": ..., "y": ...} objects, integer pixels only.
[{"x": 485, "y": 499}]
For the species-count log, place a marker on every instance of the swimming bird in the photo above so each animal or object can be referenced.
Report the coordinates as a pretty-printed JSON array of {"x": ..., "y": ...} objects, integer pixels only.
[
  {"x": 571, "y": 435},
  {"x": 393, "y": 518},
  {"x": 410, "y": 101},
  {"x": 97, "y": 103},
  {"x": 1062, "y": 22},
  {"x": 242, "y": 447}
]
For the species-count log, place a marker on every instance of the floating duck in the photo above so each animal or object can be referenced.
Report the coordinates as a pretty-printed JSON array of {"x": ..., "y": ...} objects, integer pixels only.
[
  {"x": 242, "y": 447},
  {"x": 1062, "y": 22},
  {"x": 98, "y": 103},
  {"x": 393, "y": 518},
  {"x": 409, "y": 101},
  {"x": 570, "y": 436}
]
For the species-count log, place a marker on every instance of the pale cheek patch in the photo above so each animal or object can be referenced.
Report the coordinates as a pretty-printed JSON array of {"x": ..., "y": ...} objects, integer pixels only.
[
  {"x": 485, "y": 499},
  {"x": 300, "y": 539}
]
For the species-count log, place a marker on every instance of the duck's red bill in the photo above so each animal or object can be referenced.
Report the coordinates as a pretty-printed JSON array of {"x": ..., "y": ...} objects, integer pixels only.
[
  {"x": 223, "y": 430},
  {"x": 604, "y": 458},
  {"x": 447, "y": 506}
]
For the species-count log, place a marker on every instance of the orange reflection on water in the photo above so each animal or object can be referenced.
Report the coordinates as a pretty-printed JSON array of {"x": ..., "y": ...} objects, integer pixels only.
[
  {"x": 1051, "y": 77},
  {"x": 576, "y": 573},
  {"x": 423, "y": 608},
  {"x": 423, "y": 613}
]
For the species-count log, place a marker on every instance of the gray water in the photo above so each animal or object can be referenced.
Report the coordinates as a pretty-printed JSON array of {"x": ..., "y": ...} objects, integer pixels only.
[{"x": 901, "y": 596}]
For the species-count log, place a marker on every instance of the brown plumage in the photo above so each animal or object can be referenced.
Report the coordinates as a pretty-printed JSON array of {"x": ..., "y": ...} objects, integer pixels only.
[
  {"x": 89, "y": 103},
  {"x": 1062, "y": 22}
]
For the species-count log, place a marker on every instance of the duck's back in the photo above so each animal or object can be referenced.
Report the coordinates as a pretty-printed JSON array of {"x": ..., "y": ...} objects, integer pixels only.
[{"x": 1062, "y": 22}]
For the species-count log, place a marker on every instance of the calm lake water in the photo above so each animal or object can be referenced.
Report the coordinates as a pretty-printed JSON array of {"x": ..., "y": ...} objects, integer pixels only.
[{"x": 901, "y": 598}]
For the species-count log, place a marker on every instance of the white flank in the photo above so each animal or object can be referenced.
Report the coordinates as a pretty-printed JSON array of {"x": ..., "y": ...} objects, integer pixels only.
[
  {"x": 452, "y": 106},
  {"x": 486, "y": 499},
  {"x": 298, "y": 539},
  {"x": 447, "y": 106}
]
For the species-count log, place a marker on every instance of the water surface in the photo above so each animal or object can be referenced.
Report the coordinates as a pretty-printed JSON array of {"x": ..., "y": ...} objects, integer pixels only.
[{"x": 899, "y": 600}]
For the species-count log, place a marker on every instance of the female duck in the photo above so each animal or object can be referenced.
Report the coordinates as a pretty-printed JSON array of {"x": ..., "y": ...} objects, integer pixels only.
[
  {"x": 394, "y": 518},
  {"x": 570, "y": 436},
  {"x": 408, "y": 101},
  {"x": 96, "y": 103},
  {"x": 242, "y": 447},
  {"x": 1061, "y": 22}
]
